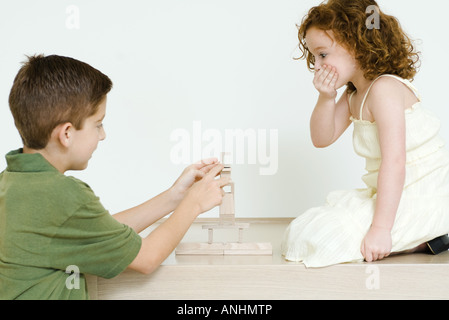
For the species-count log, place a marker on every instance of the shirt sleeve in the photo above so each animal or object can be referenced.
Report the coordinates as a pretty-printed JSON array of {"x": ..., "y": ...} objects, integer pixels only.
[{"x": 92, "y": 240}]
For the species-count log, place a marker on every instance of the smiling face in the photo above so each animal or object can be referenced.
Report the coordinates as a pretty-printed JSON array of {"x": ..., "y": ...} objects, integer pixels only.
[
  {"x": 85, "y": 140},
  {"x": 327, "y": 52}
]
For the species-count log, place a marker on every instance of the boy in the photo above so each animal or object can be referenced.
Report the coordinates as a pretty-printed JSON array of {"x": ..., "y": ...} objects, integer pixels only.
[{"x": 49, "y": 221}]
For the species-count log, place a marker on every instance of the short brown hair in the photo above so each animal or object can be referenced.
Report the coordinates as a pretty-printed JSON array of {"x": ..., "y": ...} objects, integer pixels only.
[
  {"x": 51, "y": 90},
  {"x": 386, "y": 50}
]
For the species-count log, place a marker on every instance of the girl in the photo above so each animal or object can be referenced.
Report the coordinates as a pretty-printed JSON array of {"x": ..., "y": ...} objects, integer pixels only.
[{"x": 406, "y": 202}]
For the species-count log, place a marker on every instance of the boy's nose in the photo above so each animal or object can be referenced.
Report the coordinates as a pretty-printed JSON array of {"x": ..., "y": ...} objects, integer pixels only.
[{"x": 102, "y": 134}]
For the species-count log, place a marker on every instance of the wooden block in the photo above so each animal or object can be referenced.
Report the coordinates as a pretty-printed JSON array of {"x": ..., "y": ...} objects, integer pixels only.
[
  {"x": 248, "y": 248},
  {"x": 232, "y": 248},
  {"x": 226, "y": 226},
  {"x": 199, "y": 248}
]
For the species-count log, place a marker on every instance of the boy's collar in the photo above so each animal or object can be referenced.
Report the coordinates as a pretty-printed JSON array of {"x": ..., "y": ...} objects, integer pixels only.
[{"x": 17, "y": 161}]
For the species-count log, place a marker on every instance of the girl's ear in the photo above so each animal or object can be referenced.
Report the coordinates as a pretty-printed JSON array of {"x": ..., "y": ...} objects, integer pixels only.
[{"x": 64, "y": 133}]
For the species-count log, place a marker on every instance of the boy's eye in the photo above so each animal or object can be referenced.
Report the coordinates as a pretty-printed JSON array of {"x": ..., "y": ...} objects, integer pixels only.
[{"x": 100, "y": 126}]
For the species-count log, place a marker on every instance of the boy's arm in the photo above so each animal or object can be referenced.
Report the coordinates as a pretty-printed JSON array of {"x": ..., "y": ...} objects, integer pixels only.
[
  {"x": 145, "y": 214},
  {"x": 157, "y": 246}
]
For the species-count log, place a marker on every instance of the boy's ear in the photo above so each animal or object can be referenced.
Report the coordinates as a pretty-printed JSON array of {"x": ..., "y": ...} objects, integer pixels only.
[{"x": 64, "y": 133}]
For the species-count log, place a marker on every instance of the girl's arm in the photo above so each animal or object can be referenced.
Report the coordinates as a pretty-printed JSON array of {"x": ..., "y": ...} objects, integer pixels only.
[
  {"x": 387, "y": 105},
  {"x": 329, "y": 119}
]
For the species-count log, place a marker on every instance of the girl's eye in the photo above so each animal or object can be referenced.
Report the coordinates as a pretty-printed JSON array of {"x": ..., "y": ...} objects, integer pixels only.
[{"x": 323, "y": 55}]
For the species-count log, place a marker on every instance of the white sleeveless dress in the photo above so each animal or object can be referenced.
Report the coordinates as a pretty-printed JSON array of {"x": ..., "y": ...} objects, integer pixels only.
[{"x": 333, "y": 233}]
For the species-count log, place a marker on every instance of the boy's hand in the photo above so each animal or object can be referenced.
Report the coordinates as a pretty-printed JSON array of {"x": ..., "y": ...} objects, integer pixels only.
[
  {"x": 190, "y": 175},
  {"x": 325, "y": 80},
  {"x": 201, "y": 196},
  {"x": 207, "y": 193},
  {"x": 377, "y": 244}
]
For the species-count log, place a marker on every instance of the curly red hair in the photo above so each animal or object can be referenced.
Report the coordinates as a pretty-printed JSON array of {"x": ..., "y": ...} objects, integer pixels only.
[{"x": 383, "y": 50}]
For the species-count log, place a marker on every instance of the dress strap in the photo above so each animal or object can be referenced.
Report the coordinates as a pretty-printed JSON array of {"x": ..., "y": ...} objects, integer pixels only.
[
  {"x": 350, "y": 97},
  {"x": 404, "y": 81}
]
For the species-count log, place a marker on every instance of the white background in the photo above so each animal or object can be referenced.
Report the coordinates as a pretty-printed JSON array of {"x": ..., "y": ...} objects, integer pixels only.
[{"x": 228, "y": 64}]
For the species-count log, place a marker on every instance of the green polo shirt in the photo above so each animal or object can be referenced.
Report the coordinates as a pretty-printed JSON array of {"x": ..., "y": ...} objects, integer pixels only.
[{"x": 52, "y": 225}]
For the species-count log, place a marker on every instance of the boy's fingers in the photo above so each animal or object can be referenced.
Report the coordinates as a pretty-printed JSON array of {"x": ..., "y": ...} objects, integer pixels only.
[
  {"x": 209, "y": 161},
  {"x": 207, "y": 168},
  {"x": 199, "y": 174},
  {"x": 214, "y": 171},
  {"x": 205, "y": 162},
  {"x": 204, "y": 170},
  {"x": 224, "y": 181}
]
